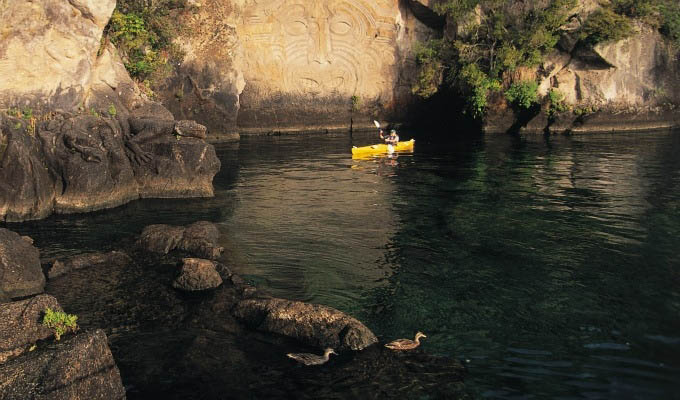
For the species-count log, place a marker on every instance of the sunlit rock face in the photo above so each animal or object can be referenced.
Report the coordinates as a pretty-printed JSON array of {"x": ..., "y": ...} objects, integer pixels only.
[
  {"x": 304, "y": 60},
  {"x": 48, "y": 49}
]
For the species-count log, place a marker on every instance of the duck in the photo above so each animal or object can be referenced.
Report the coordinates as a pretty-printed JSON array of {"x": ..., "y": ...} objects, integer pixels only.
[
  {"x": 406, "y": 344},
  {"x": 312, "y": 359}
]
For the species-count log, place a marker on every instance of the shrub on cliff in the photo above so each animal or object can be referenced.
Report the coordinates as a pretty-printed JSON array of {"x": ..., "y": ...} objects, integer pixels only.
[
  {"x": 499, "y": 37},
  {"x": 522, "y": 94},
  {"x": 495, "y": 38},
  {"x": 661, "y": 14},
  {"x": 605, "y": 26},
  {"x": 671, "y": 22},
  {"x": 59, "y": 322},
  {"x": 144, "y": 33}
]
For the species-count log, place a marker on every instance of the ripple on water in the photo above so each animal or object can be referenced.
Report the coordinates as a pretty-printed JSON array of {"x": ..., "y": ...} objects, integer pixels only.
[{"x": 499, "y": 248}]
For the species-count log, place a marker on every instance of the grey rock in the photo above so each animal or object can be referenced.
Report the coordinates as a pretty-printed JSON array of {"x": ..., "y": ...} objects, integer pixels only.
[
  {"x": 200, "y": 239},
  {"x": 26, "y": 187},
  {"x": 197, "y": 274},
  {"x": 4, "y": 298},
  {"x": 20, "y": 271},
  {"x": 312, "y": 324},
  {"x": 61, "y": 267},
  {"x": 21, "y": 324},
  {"x": 79, "y": 367},
  {"x": 161, "y": 238}
]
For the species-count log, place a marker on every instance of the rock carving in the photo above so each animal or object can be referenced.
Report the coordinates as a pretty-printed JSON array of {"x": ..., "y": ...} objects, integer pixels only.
[
  {"x": 142, "y": 130},
  {"x": 322, "y": 47}
]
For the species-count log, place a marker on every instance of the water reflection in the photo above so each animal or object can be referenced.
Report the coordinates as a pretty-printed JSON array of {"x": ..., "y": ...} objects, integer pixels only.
[
  {"x": 548, "y": 265},
  {"x": 539, "y": 245},
  {"x": 318, "y": 222}
]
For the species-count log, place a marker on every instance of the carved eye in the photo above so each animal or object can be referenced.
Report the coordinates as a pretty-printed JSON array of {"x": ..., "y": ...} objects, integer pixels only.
[
  {"x": 309, "y": 85},
  {"x": 336, "y": 82},
  {"x": 296, "y": 28},
  {"x": 341, "y": 27}
]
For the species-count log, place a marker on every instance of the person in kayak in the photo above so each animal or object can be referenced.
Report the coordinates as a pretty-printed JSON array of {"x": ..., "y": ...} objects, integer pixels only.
[{"x": 392, "y": 139}]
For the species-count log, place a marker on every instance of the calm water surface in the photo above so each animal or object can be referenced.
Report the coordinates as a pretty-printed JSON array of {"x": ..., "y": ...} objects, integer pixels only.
[{"x": 550, "y": 266}]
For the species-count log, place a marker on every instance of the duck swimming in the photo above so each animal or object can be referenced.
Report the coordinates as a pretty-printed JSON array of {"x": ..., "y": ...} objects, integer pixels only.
[
  {"x": 405, "y": 344},
  {"x": 312, "y": 359}
]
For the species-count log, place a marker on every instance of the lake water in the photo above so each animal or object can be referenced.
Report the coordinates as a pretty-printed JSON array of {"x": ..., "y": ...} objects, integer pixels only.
[{"x": 550, "y": 266}]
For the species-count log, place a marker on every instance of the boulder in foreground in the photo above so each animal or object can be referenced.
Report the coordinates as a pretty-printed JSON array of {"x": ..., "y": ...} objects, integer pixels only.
[
  {"x": 20, "y": 271},
  {"x": 21, "y": 324},
  {"x": 80, "y": 367},
  {"x": 312, "y": 324},
  {"x": 200, "y": 239},
  {"x": 197, "y": 274}
]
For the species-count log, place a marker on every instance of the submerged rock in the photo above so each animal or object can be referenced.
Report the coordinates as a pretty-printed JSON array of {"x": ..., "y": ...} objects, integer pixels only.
[
  {"x": 20, "y": 271},
  {"x": 80, "y": 367},
  {"x": 313, "y": 324},
  {"x": 21, "y": 324},
  {"x": 197, "y": 274},
  {"x": 200, "y": 239},
  {"x": 60, "y": 267}
]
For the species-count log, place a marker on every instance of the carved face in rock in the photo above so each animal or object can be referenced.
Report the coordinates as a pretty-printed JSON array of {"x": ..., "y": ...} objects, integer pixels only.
[{"x": 321, "y": 47}]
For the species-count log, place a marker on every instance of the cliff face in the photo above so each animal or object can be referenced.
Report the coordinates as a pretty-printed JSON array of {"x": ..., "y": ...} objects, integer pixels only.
[
  {"x": 76, "y": 134},
  {"x": 208, "y": 84},
  {"x": 276, "y": 65},
  {"x": 632, "y": 84},
  {"x": 637, "y": 71},
  {"x": 48, "y": 50}
]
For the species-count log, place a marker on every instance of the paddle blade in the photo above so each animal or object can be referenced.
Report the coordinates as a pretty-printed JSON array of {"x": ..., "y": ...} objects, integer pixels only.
[{"x": 377, "y": 124}]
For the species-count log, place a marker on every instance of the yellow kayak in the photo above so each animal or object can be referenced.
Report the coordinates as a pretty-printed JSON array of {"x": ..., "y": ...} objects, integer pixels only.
[{"x": 382, "y": 148}]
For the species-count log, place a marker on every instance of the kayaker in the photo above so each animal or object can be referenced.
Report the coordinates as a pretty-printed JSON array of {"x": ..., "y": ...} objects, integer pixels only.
[{"x": 392, "y": 139}]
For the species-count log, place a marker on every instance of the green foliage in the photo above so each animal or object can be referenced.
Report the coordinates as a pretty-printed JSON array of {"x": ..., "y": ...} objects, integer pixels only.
[
  {"x": 583, "y": 111},
  {"x": 456, "y": 9},
  {"x": 144, "y": 32},
  {"x": 356, "y": 103},
  {"x": 661, "y": 14},
  {"x": 59, "y": 322},
  {"x": 112, "y": 110},
  {"x": 429, "y": 60},
  {"x": 555, "y": 103},
  {"x": 523, "y": 94},
  {"x": 670, "y": 26},
  {"x": 635, "y": 8},
  {"x": 478, "y": 84},
  {"x": 94, "y": 112},
  {"x": 27, "y": 113},
  {"x": 499, "y": 39},
  {"x": 605, "y": 25}
]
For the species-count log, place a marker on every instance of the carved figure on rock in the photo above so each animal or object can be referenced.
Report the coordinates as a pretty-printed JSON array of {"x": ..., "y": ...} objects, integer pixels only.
[
  {"x": 143, "y": 130},
  {"x": 321, "y": 47},
  {"x": 77, "y": 135}
]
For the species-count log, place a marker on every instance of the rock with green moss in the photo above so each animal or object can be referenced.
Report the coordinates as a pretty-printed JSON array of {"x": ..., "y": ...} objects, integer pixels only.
[
  {"x": 21, "y": 324},
  {"x": 79, "y": 367}
]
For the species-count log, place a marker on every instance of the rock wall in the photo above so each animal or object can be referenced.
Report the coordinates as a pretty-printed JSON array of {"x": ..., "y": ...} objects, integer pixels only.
[
  {"x": 48, "y": 51},
  {"x": 294, "y": 65},
  {"x": 208, "y": 84},
  {"x": 304, "y": 61},
  {"x": 632, "y": 84},
  {"x": 76, "y": 133},
  {"x": 637, "y": 71}
]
